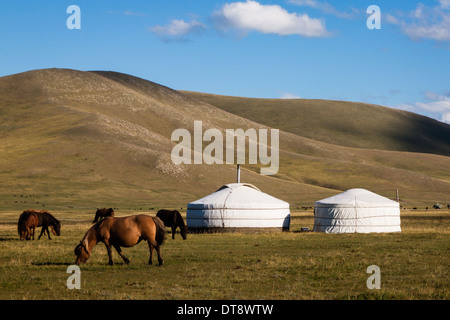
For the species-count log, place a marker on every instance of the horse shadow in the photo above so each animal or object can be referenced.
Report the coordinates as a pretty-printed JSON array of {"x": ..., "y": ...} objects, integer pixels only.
[
  {"x": 50, "y": 263},
  {"x": 9, "y": 239}
]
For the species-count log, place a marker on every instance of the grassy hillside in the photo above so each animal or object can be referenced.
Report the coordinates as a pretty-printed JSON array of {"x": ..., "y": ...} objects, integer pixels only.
[
  {"x": 74, "y": 139},
  {"x": 342, "y": 123},
  {"x": 103, "y": 139}
]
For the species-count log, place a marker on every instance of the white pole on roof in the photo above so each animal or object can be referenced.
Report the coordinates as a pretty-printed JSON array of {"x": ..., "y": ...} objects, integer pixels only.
[{"x": 238, "y": 173}]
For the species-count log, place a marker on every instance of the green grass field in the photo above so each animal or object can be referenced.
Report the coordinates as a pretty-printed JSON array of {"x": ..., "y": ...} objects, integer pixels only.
[{"x": 278, "y": 266}]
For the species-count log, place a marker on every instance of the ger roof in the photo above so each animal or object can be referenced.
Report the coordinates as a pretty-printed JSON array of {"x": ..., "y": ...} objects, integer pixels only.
[
  {"x": 238, "y": 196},
  {"x": 357, "y": 198}
]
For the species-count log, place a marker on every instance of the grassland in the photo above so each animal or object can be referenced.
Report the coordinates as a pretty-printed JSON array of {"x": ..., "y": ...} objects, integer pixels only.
[{"x": 277, "y": 266}]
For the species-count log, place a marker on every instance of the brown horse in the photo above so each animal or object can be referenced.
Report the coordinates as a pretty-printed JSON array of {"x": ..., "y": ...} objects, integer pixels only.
[
  {"x": 103, "y": 213},
  {"x": 122, "y": 232},
  {"x": 173, "y": 220},
  {"x": 28, "y": 221}
]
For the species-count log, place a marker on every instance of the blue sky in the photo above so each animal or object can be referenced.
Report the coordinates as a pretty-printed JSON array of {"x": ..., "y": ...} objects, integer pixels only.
[{"x": 270, "y": 49}]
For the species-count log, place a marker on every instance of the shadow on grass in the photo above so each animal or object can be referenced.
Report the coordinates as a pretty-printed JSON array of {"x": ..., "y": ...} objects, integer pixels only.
[
  {"x": 10, "y": 239},
  {"x": 49, "y": 263}
]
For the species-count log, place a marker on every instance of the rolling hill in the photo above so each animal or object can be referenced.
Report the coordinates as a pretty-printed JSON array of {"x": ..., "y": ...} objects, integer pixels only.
[
  {"x": 351, "y": 124},
  {"x": 85, "y": 139}
]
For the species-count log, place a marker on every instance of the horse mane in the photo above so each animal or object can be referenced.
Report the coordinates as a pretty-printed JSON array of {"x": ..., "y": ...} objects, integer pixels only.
[
  {"x": 54, "y": 221},
  {"x": 50, "y": 216},
  {"x": 92, "y": 230}
]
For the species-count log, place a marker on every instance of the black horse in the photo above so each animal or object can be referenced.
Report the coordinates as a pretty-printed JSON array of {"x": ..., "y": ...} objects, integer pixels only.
[
  {"x": 173, "y": 219},
  {"x": 103, "y": 213}
]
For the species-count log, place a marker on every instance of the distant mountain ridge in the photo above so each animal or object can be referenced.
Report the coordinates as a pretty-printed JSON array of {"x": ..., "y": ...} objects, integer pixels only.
[{"x": 351, "y": 124}]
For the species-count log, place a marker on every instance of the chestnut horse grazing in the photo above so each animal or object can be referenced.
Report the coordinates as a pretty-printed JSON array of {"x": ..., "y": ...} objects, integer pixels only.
[
  {"x": 28, "y": 221},
  {"x": 122, "y": 232}
]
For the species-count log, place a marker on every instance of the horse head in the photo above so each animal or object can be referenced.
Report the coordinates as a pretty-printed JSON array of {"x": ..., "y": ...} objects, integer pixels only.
[
  {"x": 23, "y": 234},
  {"x": 183, "y": 231},
  {"x": 56, "y": 228},
  {"x": 82, "y": 252}
]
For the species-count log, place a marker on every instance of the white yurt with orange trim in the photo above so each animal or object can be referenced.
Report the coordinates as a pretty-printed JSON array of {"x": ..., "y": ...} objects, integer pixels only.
[
  {"x": 238, "y": 207},
  {"x": 356, "y": 211}
]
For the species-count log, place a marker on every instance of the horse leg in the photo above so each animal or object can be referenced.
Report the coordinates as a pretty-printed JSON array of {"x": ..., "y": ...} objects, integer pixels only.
[
  {"x": 42, "y": 231},
  {"x": 119, "y": 251},
  {"x": 48, "y": 233},
  {"x": 108, "y": 248},
  {"x": 155, "y": 245},
  {"x": 33, "y": 232},
  {"x": 174, "y": 228},
  {"x": 160, "y": 260},
  {"x": 150, "y": 248}
]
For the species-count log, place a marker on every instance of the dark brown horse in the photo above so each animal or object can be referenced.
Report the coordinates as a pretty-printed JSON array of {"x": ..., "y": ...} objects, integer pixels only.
[
  {"x": 122, "y": 232},
  {"x": 103, "y": 213},
  {"x": 45, "y": 220},
  {"x": 28, "y": 221},
  {"x": 174, "y": 220}
]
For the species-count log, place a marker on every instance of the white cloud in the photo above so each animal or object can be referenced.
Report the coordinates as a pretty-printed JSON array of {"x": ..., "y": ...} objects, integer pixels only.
[
  {"x": 268, "y": 19},
  {"x": 287, "y": 95},
  {"x": 437, "y": 105},
  {"x": 309, "y": 3},
  {"x": 439, "y": 32},
  {"x": 391, "y": 19},
  {"x": 178, "y": 29},
  {"x": 445, "y": 4},
  {"x": 326, "y": 8},
  {"x": 425, "y": 22},
  {"x": 446, "y": 117},
  {"x": 407, "y": 107}
]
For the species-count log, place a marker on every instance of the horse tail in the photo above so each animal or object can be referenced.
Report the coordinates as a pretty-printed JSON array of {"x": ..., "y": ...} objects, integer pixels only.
[
  {"x": 21, "y": 223},
  {"x": 160, "y": 230}
]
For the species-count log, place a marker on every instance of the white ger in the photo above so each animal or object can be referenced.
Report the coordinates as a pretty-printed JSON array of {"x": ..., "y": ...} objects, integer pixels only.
[
  {"x": 356, "y": 211},
  {"x": 238, "y": 207}
]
